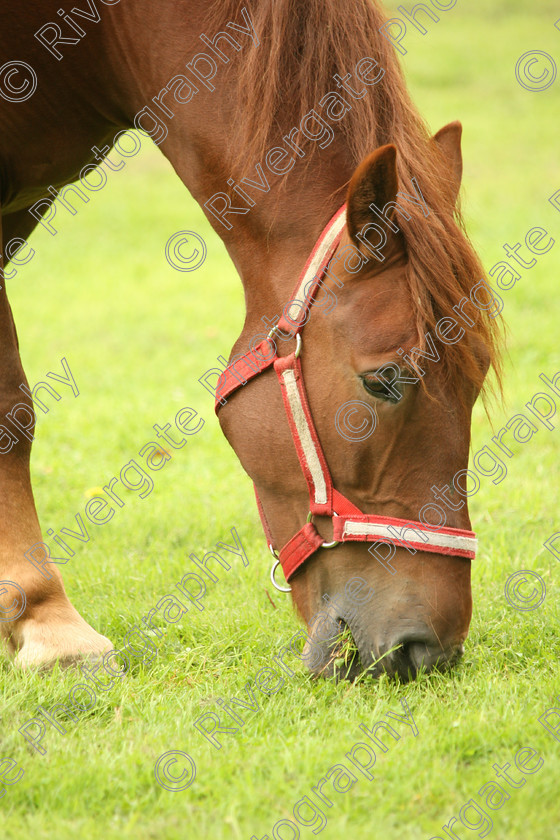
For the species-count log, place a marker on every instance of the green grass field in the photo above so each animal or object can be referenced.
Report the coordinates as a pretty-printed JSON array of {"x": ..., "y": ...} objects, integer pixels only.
[{"x": 137, "y": 335}]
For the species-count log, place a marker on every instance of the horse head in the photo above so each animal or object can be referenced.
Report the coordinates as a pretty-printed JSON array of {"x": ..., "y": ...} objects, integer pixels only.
[{"x": 382, "y": 394}]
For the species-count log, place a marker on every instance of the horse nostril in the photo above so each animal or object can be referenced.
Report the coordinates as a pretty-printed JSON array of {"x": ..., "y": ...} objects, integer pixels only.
[
  {"x": 414, "y": 656},
  {"x": 419, "y": 654}
]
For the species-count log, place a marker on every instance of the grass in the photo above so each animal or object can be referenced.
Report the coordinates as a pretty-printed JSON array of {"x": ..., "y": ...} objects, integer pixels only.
[{"x": 137, "y": 335}]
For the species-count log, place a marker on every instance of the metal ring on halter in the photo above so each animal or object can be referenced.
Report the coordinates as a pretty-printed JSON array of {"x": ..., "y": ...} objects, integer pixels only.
[
  {"x": 299, "y": 342},
  {"x": 272, "y": 571},
  {"x": 325, "y": 544}
]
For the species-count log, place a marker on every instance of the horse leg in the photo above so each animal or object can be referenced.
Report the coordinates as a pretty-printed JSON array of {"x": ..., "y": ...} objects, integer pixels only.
[{"x": 41, "y": 626}]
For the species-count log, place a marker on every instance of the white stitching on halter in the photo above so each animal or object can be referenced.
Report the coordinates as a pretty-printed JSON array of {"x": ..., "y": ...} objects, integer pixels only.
[
  {"x": 305, "y": 438},
  {"x": 371, "y": 529},
  {"x": 314, "y": 264}
]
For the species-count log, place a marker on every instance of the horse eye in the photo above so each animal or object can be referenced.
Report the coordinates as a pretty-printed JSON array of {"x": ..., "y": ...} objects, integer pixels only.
[{"x": 383, "y": 384}]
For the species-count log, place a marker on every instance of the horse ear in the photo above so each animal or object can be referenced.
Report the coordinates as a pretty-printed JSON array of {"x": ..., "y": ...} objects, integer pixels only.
[
  {"x": 448, "y": 139},
  {"x": 374, "y": 182}
]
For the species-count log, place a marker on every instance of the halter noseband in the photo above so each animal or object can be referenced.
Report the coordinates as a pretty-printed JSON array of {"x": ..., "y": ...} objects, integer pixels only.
[{"x": 349, "y": 524}]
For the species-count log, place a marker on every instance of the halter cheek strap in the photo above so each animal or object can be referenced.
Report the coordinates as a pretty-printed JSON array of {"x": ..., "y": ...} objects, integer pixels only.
[{"x": 348, "y": 522}]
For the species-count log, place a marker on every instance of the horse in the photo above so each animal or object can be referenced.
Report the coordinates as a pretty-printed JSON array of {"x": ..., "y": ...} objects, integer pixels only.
[{"x": 291, "y": 125}]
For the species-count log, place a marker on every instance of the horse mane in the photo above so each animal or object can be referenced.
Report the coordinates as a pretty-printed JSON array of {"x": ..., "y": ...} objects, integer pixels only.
[{"x": 303, "y": 43}]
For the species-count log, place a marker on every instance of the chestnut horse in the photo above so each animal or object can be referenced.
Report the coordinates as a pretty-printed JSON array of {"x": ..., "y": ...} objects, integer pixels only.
[{"x": 221, "y": 89}]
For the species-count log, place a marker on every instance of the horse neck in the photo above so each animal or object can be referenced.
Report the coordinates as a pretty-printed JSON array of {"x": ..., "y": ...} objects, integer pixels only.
[{"x": 270, "y": 243}]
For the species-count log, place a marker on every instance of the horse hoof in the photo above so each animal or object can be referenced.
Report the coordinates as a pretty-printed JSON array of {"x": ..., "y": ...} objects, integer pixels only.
[{"x": 41, "y": 646}]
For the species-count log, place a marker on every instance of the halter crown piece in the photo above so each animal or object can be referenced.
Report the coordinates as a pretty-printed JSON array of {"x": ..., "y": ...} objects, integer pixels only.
[{"x": 348, "y": 522}]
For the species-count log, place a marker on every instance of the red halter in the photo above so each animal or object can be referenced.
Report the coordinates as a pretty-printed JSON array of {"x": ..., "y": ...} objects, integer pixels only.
[{"x": 348, "y": 522}]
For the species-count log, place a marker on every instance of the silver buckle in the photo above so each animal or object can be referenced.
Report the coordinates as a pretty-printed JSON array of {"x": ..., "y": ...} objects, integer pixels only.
[{"x": 273, "y": 570}]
